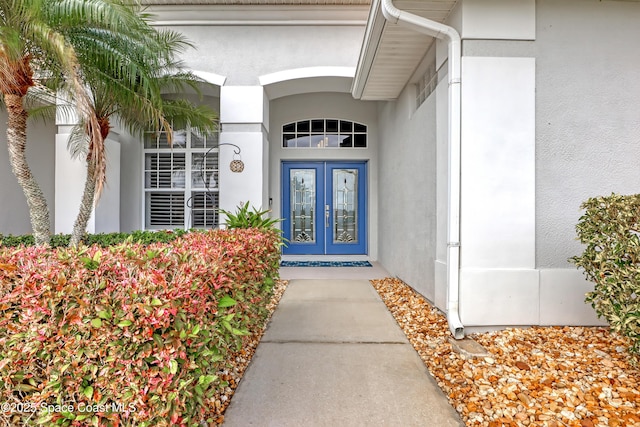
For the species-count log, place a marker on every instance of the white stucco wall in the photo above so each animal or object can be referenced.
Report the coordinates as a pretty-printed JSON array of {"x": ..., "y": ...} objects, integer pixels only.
[
  {"x": 408, "y": 190},
  {"x": 107, "y": 211},
  {"x": 70, "y": 178},
  {"x": 244, "y": 115},
  {"x": 131, "y": 184},
  {"x": 587, "y": 134},
  {"x": 498, "y": 162},
  {"x": 587, "y": 125},
  {"x": 243, "y": 53},
  {"x": 498, "y": 192},
  {"x": 14, "y": 213},
  {"x": 497, "y": 19},
  {"x": 326, "y": 105}
]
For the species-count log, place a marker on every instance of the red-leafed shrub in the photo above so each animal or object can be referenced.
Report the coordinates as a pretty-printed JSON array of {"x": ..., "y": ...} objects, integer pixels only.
[{"x": 131, "y": 334}]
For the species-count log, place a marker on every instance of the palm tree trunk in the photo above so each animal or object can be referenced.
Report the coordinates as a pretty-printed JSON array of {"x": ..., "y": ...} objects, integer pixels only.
[
  {"x": 96, "y": 173},
  {"x": 17, "y": 143},
  {"x": 86, "y": 207}
]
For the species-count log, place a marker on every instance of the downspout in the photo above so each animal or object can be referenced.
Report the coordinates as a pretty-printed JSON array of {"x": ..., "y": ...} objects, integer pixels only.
[{"x": 441, "y": 31}]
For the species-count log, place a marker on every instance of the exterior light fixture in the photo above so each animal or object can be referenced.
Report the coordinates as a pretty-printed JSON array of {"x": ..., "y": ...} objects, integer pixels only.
[{"x": 237, "y": 165}]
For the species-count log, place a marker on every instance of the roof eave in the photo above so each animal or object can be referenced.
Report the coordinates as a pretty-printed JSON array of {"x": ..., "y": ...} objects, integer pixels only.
[
  {"x": 372, "y": 36},
  {"x": 392, "y": 53}
]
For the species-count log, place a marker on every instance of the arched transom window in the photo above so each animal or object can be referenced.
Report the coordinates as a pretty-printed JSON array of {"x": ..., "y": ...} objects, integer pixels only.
[{"x": 324, "y": 133}]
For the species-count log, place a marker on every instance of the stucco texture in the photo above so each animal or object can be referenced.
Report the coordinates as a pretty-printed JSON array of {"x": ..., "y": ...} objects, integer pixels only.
[
  {"x": 587, "y": 124},
  {"x": 407, "y": 182},
  {"x": 243, "y": 54},
  {"x": 14, "y": 213}
]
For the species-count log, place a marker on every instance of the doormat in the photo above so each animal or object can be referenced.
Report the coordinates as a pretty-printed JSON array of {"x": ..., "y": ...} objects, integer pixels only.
[{"x": 325, "y": 264}]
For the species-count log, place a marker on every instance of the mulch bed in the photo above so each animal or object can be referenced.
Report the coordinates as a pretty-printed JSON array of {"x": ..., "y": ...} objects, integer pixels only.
[
  {"x": 539, "y": 376},
  {"x": 239, "y": 361}
]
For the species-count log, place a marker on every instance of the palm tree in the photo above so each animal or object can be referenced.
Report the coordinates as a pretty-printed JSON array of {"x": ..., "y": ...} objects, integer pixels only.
[
  {"x": 126, "y": 75},
  {"x": 32, "y": 46}
]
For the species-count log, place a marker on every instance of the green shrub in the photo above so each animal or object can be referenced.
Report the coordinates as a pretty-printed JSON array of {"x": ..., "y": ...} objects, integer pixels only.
[
  {"x": 101, "y": 239},
  {"x": 12, "y": 241},
  {"x": 610, "y": 227},
  {"x": 249, "y": 218},
  {"x": 138, "y": 332}
]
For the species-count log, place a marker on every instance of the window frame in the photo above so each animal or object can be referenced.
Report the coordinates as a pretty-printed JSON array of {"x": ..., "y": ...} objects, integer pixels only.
[
  {"x": 315, "y": 137},
  {"x": 188, "y": 190}
]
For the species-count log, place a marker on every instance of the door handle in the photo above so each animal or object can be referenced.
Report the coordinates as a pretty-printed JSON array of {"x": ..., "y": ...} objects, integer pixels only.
[{"x": 326, "y": 216}]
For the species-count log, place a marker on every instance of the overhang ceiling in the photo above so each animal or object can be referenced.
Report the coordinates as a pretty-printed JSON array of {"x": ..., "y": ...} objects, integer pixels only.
[
  {"x": 256, "y": 2},
  {"x": 391, "y": 53}
]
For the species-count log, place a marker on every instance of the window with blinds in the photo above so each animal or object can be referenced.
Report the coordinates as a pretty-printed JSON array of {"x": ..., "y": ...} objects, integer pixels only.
[{"x": 180, "y": 180}]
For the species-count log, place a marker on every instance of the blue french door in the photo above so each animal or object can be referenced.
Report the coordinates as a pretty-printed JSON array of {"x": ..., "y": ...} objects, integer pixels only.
[{"x": 324, "y": 208}]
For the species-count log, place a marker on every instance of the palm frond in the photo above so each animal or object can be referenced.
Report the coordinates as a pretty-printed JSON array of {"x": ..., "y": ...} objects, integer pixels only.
[
  {"x": 183, "y": 113},
  {"x": 78, "y": 143}
]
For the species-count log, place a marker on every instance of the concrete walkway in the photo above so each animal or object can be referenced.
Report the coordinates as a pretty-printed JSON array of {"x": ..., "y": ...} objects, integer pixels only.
[{"x": 333, "y": 355}]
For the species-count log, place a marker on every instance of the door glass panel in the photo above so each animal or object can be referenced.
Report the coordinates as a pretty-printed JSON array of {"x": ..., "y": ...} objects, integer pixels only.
[
  {"x": 345, "y": 205},
  {"x": 303, "y": 201}
]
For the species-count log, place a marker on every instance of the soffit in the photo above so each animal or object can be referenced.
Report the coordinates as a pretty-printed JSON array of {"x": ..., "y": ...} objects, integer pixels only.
[
  {"x": 392, "y": 52},
  {"x": 252, "y": 12},
  {"x": 256, "y": 2}
]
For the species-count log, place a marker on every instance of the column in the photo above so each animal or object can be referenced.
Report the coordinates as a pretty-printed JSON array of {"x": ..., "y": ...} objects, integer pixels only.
[
  {"x": 244, "y": 121},
  {"x": 70, "y": 176},
  {"x": 499, "y": 282}
]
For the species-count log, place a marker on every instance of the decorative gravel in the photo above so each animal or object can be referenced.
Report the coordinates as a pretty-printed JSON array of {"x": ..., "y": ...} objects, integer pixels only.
[
  {"x": 539, "y": 376},
  {"x": 239, "y": 361}
]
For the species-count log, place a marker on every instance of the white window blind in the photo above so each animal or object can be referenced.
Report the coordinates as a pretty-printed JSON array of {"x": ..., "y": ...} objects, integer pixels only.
[
  {"x": 181, "y": 181},
  {"x": 165, "y": 210}
]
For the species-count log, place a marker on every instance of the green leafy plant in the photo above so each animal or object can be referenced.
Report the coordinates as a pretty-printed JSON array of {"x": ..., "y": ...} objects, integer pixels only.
[
  {"x": 100, "y": 239},
  {"x": 142, "y": 327},
  {"x": 249, "y": 218},
  {"x": 610, "y": 227}
]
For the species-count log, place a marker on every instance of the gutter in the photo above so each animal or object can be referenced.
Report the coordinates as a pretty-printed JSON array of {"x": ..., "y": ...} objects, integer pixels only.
[{"x": 441, "y": 31}]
